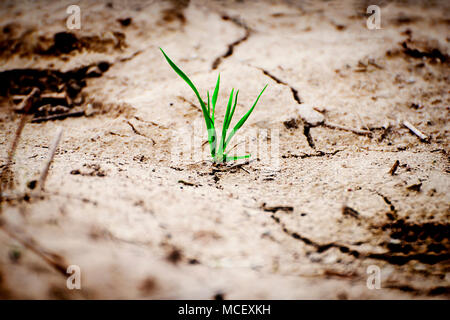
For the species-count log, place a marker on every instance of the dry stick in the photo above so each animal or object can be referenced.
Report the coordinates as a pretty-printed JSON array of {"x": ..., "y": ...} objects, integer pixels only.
[
  {"x": 59, "y": 116},
  {"x": 228, "y": 151},
  {"x": 53, "y": 148},
  {"x": 204, "y": 143},
  {"x": 394, "y": 168},
  {"x": 25, "y": 107},
  {"x": 53, "y": 260},
  {"x": 414, "y": 130},
  {"x": 238, "y": 166},
  {"x": 27, "y": 102},
  {"x": 339, "y": 127},
  {"x": 134, "y": 54}
]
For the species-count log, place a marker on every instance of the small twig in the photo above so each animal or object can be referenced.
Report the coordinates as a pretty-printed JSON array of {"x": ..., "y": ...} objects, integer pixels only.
[
  {"x": 348, "y": 211},
  {"x": 228, "y": 150},
  {"x": 53, "y": 260},
  {"x": 134, "y": 129},
  {"x": 235, "y": 166},
  {"x": 52, "y": 152},
  {"x": 276, "y": 208},
  {"x": 438, "y": 150},
  {"x": 243, "y": 163},
  {"x": 416, "y": 131},
  {"x": 339, "y": 127},
  {"x": 187, "y": 183},
  {"x": 240, "y": 167},
  {"x": 27, "y": 102},
  {"x": 134, "y": 54},
  {"x": 394, "y": 168},
  {"x": 25, "y": 107},
  {"x": 58, "y": 116},
  {"x": 373, "y": 63}
]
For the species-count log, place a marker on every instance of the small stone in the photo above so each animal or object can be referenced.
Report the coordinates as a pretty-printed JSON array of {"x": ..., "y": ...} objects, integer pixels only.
[
  {"x": 59, "y": 109},
  {"x": 315, "y": 257},
  {"x": 330, "y": 259},
  {"x": 94, "y": 72},
  {"x": 415, "y": 187},
  {"x": 89, "y": 110},
  {"x": 32, "y": 184},
  {"x": 125, "y": 22},
  {"x": 291, "y": 124}
]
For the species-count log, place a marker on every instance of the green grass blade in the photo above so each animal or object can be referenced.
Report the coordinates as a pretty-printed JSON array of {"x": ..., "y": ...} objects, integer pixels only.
[
  {"x": 244, "y": 118},
  {"x": 232, "y": 111},
  {"x": 214, "y": 97},
  {"x": 189, "y": 82},
  {"x": 225, "y": 121},
  {"x": 227, "y": 158},
  {"x": 208, "y": 120},
  {"x": 209, "y": 109}
]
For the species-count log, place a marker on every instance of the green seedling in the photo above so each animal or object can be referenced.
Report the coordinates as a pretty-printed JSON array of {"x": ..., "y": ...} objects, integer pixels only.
[{"x": 218, "y": 154}]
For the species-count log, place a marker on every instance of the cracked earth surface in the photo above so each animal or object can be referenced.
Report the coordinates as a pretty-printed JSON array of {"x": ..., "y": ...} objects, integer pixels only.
[{"x": 143, "y": 223}]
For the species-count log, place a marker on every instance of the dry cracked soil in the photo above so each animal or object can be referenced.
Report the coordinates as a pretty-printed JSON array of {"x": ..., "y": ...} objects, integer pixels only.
[{"x": 349, "y": 172}]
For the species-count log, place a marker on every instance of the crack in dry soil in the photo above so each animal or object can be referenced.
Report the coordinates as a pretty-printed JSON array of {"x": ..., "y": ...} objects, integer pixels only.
[
  {"x": 392, "y": 215},
  {"x": 136, "y": 131},
  {"x": 279, "y": 81},
  {"x": 398, "y": 254},
  {"x": 319, "y": 247},
  {"x": 306, "y": 127},
  {"x": 307, "y": 134},
  {"x": 235, "y": 43}
]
